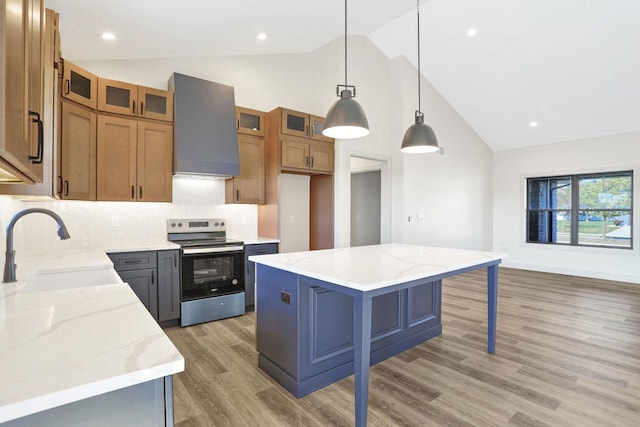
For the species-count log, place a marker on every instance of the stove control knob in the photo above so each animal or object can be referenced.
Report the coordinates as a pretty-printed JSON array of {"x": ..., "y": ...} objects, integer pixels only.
[
  {"x": 173, "y": 224},
  {"x": 179, "y": 224},
  {"x": 216, "y": 224},
  {"x": 234, "y": 282},
  {"x": 222, "y": 224}
]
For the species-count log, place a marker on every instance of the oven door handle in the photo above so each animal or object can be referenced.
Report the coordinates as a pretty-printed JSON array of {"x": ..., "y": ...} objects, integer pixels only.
[{"x": 196, "y": 251}]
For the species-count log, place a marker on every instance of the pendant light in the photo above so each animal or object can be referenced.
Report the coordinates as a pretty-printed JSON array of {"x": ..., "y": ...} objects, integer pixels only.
[
  {"x": 419, "y": 138},
  {"x": 346, "y": 118}
]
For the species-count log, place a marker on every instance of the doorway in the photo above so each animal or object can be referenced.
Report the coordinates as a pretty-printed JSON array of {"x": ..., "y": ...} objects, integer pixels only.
[{"x": 365, "y": 202}]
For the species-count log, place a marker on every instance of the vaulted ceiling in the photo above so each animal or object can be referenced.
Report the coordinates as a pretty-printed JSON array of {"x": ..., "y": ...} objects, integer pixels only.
[{"x": 571, "y": 66}]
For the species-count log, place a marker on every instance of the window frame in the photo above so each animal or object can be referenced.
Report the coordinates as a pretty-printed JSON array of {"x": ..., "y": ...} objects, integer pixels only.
[{"x": 575, "y": 209}]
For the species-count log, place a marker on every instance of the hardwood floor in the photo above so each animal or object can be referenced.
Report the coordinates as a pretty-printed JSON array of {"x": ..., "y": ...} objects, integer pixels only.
[{"x": 567, "y": 354}]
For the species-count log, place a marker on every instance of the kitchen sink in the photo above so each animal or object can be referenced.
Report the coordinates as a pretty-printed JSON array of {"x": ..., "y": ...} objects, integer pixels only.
[{"x": 72, "y": 279}]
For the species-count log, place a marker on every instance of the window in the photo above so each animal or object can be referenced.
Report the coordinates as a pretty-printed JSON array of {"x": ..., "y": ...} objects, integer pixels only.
[{"x": 581, "y": 210}]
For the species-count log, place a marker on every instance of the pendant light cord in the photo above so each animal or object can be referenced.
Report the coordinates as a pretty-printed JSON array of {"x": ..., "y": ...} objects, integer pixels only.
[
  {"x": 419, "y": 101},
  {"x": 345, "y": 42}
]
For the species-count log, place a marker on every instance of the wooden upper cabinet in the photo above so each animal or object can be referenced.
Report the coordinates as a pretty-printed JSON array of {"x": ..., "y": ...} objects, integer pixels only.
[
  {"x": 79, "y": 85},
  {"x": 299, "y": 155},
  {"x": 116, "y": 158},
  {"x": 294, "y": 123},
  {"x": 154, "y": 162},
  {"x": 155, "y": 104},
  {"x": 304, "y": 125},
  {"x": 321, "y": 157},
  {"x": 78, "y": 152},
  {"x": 250, "y": 122},
  {"x": 316, "y": 125},
  {"x": 21, "y": 95},
  {"x": 248, "y": 187},
  {"x": 134, "y": 160},
  {"x": 132, "y": 100}
]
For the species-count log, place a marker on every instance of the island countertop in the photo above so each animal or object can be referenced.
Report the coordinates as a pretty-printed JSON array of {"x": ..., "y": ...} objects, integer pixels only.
[
  {"x": 61, "y": 346},
  {"x": 366, "y": 268}
]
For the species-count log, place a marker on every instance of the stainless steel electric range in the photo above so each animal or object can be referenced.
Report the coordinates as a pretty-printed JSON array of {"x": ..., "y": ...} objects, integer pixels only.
[{"x": 212, "y": 270}]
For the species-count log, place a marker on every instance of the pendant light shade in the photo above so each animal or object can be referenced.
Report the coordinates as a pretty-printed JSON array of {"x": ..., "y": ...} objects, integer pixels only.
[
  {"x": 346, "y": 118},
  {"x": 419, "y": 138}
]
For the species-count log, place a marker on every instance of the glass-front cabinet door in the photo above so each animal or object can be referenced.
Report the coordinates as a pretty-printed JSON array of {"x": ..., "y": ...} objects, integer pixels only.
[
  {"x": 117, "y": 97},
  {"x": 316, "y": 125},
  {"x": 79, "y": 85},
  {"x": 155, "y": 104},
  {"x": 250, "y": 122},
  {"x": 132, "y": 100},
  {"x": 295, "y": 123}
]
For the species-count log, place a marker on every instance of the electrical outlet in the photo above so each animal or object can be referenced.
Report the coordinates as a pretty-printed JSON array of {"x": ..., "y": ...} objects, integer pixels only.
[{"x": 285, "y": 297}]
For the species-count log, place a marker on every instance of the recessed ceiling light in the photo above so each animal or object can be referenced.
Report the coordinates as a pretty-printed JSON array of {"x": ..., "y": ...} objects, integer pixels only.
[
  {"x": 108, "y": 36},
  {"x": 533, "y": 124},
  {"x": 261, "y": 36},
  {"x": 471, "y": 32}
]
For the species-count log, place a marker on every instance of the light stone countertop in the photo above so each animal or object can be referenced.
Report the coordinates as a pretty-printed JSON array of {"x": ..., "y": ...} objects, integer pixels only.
[
  {"x": 61, "y": 346},
  {"x": 366, "y": 268}
]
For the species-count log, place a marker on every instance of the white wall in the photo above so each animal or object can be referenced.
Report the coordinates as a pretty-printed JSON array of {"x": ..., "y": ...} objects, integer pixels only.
[{"x": 512, "y": 167}]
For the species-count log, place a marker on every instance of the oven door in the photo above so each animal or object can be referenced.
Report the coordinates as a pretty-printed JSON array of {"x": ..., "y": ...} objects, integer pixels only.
[{"x": 208, "y": 272}]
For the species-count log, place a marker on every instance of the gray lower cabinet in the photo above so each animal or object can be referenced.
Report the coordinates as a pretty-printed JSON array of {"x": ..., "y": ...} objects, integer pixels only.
[
  {"x": 250, "y": 268},
  {"x": 144, "y": 284},
  {"x": 168, "y": 285},
  {"x": 155, "y": 278},
  {"x": 149, "y": 404}
]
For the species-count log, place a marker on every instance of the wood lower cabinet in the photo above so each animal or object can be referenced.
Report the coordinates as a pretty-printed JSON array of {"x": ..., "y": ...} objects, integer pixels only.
[
  {"x": 248, "y": 187},
  {"x": 78, "y": 152},
  {"x": 134, "y": 160}
]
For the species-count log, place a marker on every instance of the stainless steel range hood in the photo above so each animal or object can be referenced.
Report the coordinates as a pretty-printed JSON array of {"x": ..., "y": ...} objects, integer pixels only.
[{"x": 206, "y": 139}]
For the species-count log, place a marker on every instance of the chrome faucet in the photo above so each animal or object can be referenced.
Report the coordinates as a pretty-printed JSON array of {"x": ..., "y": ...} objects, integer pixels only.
[{"x": 9, "y": 262}]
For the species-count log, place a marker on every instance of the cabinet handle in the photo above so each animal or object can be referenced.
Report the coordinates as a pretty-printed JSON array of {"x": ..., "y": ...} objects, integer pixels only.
[
  {"x": 311, "y": 161},
  {"x": 133, "y": 261},
  {"x": 66, "y": 185},
  {"x": 37, "y": 159},
  {"x": 175, "y": 260},
  {"x": 237, "y": 124},
  {"x": 134, "y": 108},
  {"x": 67, "y": 86},
  {"x": 59, "y": 186},
  {"x": 237, "y": 195},
  {"x": 141, "y": 108},
  {"x": 141, "y": 192},
  {"x": 306, "y": 162},
  {"x": 152, "y": 278},
  {"x": 133, "y": 194},
  {"x": 311, "y": 132},
  {"x": 306, "y": 131}
]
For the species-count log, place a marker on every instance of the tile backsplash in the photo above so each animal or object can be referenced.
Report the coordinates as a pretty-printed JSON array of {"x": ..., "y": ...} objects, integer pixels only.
[{"x": 113, "y": 225}]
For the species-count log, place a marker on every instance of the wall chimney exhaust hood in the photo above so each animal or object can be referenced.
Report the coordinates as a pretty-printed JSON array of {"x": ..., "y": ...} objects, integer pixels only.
[{"x": 205, "y": 135}]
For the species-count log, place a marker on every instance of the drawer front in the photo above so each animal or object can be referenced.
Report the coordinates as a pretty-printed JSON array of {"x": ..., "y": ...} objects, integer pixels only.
[{"x": 124, "y": 261}]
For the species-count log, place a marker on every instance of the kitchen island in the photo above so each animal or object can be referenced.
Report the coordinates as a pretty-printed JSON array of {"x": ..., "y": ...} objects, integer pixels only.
[
  {"x": 77, "y": 347},
  {"x": 326, "y": 314}
]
